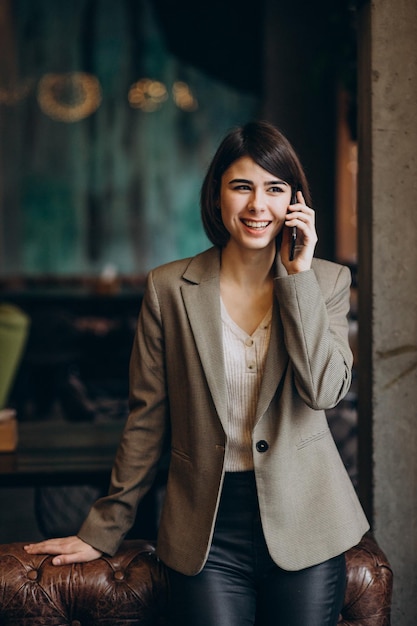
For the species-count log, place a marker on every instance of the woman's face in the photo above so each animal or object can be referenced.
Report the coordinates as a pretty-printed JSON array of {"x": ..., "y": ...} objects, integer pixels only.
[{"x": 253, "y": 204}]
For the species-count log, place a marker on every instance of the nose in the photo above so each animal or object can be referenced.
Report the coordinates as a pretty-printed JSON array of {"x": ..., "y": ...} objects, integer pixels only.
[{"x": 257, "y": 201}]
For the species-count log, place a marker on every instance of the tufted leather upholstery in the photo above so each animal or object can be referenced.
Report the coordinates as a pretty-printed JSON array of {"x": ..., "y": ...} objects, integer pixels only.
[
  {"x": 125, "y": 590},
  {"x": 369, "y": 586},
  {"x": 129, "y": 589}
]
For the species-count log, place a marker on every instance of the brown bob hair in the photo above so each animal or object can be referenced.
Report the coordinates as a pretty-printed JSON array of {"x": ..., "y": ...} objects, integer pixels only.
[{"x": 264, "y": 144}]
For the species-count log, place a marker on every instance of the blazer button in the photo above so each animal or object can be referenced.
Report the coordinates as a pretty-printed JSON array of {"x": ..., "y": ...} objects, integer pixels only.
[{"x": 262, "y": 446}]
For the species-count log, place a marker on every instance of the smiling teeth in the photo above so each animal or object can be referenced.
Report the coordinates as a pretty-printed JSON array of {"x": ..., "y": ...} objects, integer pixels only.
[{"x": 255, "y": 224}]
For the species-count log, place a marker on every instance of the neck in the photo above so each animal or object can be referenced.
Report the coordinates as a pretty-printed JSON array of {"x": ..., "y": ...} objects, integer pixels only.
[{"x": 247, "y": 267}]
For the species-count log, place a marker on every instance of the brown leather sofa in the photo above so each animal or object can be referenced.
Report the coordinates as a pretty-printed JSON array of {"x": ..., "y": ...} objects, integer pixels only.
[{"x": 129, "y": 589}]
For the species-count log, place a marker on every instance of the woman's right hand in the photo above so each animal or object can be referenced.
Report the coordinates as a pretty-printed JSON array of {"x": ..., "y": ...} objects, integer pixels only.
[{"x": 65, "y": 550}]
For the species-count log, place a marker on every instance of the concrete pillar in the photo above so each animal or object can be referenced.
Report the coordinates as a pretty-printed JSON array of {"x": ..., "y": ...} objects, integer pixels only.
[{"x": 387, "y": 253}]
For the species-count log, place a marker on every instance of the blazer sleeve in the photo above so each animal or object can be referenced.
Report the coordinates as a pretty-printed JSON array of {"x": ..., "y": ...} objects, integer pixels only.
[
  {"x": 314, "y": 305},
  {"x": 143, "y": 437}
]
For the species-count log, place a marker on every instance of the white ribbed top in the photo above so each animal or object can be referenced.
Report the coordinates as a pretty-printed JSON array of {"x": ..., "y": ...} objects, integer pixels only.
[{"x": 244, "y": 358}]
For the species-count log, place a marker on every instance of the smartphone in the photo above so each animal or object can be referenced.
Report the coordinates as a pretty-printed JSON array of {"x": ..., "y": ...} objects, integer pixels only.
[{"x": 293, "y": 230}]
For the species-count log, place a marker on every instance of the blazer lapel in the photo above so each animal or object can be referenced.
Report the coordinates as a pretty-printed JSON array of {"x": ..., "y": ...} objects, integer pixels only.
[
  {"x": 201, "y": 295},
  {"x": 277, "y": 356},
  {"x": 275, "y": 364}
]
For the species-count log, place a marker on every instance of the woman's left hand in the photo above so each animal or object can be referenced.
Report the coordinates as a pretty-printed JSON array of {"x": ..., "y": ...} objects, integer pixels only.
[{"x": 303, "y": 218}]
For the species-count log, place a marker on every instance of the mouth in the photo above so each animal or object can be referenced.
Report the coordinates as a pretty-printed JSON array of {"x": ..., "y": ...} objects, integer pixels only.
[{"x": 255, "y": 225}]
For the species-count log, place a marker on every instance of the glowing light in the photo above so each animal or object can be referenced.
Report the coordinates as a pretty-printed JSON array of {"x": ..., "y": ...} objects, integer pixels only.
[
  {"x": 147, "y": 95},
  {"x": 183, "y": 97},
  {"x": 69, "y": 97}
]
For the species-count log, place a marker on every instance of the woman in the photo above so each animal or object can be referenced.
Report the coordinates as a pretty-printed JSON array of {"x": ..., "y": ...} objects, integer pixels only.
[{"x": 238, "y": 351}]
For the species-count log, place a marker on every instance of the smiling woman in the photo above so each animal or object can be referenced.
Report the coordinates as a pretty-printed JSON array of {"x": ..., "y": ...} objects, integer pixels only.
[{"x": 238, "y": 352}]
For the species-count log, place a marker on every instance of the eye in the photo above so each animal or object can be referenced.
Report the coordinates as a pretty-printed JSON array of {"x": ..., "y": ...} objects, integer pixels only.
[
  {"x": 276, "y": 189},
  {"x": 242, "y": 187}
]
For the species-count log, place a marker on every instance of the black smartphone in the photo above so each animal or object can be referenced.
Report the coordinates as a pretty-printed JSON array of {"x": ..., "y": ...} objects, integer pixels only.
[{"x": 293, "y": 231}]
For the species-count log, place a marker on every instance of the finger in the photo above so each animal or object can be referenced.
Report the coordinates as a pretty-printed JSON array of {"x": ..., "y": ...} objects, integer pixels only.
[
  {"x": 296, "y": 217},
  {"x": 300, "y": 197},
  {"x": 73, "y": 557},
  {"x": 81, "y": 555},
  {"x": 64, "y": 559},
  {"x": 51, "y": 546},
  {"x": 300, "y": 215},
  {"x": 42, "y": 548}
]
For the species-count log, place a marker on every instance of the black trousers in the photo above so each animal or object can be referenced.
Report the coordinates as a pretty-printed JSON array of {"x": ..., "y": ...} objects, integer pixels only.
[{"x": 240, "y": 585}]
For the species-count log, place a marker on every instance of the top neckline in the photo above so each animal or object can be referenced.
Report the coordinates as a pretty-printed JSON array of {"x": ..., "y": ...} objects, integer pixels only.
[{"x": 262, "y": 326}]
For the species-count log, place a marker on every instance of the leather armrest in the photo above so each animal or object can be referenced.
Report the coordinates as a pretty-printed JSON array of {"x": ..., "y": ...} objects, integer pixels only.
[
  {"x": 128, "y": 589},
  {"x": 369, "y": 586}
]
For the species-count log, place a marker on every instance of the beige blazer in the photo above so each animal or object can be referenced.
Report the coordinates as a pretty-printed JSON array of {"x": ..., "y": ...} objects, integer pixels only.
[{"x": 309, "y": 509}]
